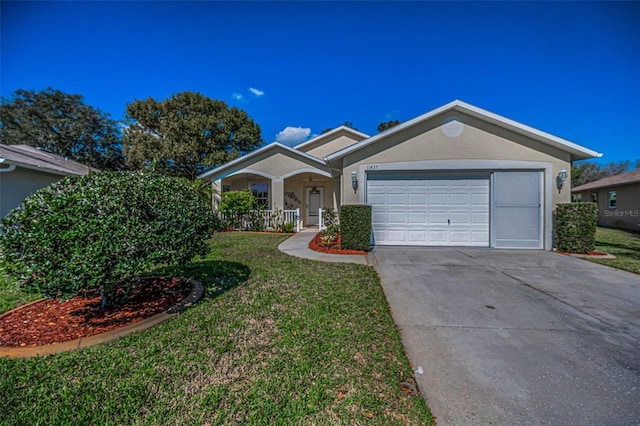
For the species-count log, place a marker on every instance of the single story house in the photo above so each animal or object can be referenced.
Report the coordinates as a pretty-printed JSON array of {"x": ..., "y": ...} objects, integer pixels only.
[
  {"x": 618, "y": 199},
  {"x": 25, "y": 169},
  {"x": 455, "y": 176}
]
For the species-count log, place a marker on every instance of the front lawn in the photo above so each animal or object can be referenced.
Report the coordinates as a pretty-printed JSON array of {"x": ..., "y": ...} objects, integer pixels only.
[
  {"x": 277, "y": 340},
  {"x": 625, "y": 245}
]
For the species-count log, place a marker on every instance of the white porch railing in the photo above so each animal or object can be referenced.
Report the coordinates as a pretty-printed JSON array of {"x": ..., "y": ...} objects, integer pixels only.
[
  {"x": 270, "y": 219},
  {"x": 293, "y": 216}
]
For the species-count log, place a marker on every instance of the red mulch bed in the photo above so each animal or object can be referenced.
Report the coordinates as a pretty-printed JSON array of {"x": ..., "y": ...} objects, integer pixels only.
[
  {"x": 53, "y": 321},
  {"x": 590, "y": 253},
  {"x": 316, "y": 245}
]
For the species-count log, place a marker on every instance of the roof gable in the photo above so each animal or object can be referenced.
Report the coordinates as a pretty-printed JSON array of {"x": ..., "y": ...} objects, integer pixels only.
[
  {"x": 577, "y": 152},
  {"x": 32, "y": 158},
  {"x": 233, "y": 165},
  {"x": 330, "y": 136},
  {"x": 616, "y": 180}
]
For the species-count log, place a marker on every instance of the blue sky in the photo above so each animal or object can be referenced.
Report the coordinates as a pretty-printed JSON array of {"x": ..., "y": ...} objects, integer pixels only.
[{"x": 570, "y": 69}]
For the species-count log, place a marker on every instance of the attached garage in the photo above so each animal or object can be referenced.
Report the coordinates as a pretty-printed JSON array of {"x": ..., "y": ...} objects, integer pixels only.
[
  {"x": 459, "y": 176},
  {"x": 499, "y": 209}
]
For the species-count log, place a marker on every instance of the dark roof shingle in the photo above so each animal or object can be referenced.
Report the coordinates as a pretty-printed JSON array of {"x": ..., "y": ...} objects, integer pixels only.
[
  {"x": 30, "y": 157},
  {"x": 617, "y": 180}
]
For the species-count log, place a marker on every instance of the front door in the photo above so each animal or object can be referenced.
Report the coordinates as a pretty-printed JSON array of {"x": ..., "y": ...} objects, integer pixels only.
[{"x": 314, "y": 203}]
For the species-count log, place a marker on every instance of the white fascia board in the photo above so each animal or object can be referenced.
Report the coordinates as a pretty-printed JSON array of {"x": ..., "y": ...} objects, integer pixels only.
[
  {"x": 259, "y": 151},
  {"x": 331, "y": 133},
  {"x": 483, "y": 115}
]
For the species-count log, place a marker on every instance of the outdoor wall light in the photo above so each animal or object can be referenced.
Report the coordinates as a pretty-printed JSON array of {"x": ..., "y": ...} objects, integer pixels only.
[
  {"x": 561, "y": 179},
  {"x": 354, "y": 180}
]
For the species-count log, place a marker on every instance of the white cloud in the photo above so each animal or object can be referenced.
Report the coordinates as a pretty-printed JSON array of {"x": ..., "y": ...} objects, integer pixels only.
[
  {"x": 293, "y": 135},
  {"x": 237, "y": 97},
  {"x": 256, "y": 92}
]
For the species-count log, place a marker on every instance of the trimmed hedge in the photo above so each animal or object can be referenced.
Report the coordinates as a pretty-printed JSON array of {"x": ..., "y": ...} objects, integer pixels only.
[
  {"x": 102, "y": 231},
  {"x": 355, "y": 226},
  {"x": 575, "y": 227}
]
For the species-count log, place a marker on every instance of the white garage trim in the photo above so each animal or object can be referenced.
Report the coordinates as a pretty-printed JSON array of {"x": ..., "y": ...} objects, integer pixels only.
[{"x": 457, "y": 166}]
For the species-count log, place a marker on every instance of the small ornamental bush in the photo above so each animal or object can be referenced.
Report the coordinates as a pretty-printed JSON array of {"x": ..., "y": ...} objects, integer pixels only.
[
  {"x": 288, "y": 227},
  {"x": 575, "y": 227},
  {"x": 101, "y": 231},
  {"x": 355, "y": 226},
  {"x": 235, "y": 209},
  {"x": 237, "y": 202},
  {"x": 329, "y": 235}
]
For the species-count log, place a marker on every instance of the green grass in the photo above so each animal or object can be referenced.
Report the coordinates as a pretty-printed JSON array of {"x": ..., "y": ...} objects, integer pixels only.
[
  {"x": 277, "y": 340},
  {"x": 625, "y": 245},
  {"x": 12, "y": 295}
]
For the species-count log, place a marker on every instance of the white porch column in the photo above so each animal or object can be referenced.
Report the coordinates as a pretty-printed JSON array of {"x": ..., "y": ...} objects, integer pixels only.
[
  {"x": 216, "y": 197},
  {"x": 336, "y": 193},
  {"x": 277, "y": 194}
]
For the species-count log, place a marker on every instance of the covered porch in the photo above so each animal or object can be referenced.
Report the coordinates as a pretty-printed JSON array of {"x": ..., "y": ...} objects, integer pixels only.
[
  {"x": 282, "y": 179},
  {"x": 305, "y": 193}
]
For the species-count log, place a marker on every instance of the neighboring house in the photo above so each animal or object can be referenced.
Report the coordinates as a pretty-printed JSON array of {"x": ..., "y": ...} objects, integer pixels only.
[
  {"x": 24, "y": 169},
  {"x": 618, "y": 199},
  {"x": 455, "y": 176}
]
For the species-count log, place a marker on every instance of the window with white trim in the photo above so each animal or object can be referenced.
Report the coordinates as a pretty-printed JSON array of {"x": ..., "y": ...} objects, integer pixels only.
[
  {"x": 612, "y": 200},
  {"x": 260, "y": 190}
]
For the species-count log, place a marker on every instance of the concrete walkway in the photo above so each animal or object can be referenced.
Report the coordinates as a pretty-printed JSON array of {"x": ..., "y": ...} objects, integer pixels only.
[{"x": 298, "y": 246}]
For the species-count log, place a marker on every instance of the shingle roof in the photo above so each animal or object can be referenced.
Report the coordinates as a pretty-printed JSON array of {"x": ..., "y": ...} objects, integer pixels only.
[
  {"x": 32, "y": 158},
  {"x": 617, "y": 180}
]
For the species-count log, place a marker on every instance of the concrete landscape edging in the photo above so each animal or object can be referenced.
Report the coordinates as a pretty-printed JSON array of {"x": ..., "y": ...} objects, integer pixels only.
[
  {"x": 197, "y": 292},
  {"x": 587, "y": 256}
]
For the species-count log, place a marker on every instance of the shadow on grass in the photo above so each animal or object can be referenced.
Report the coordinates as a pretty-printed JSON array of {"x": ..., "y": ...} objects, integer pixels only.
[
  {"x": 216, "y": 276},
  {"x": 630, "y": 251}
]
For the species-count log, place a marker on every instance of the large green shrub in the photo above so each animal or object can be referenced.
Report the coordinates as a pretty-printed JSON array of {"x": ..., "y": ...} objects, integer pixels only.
[
  {"x": 355, "y": 226},
  {"x": 101, "y": 231},
  {"x": 575, "y": 227}
]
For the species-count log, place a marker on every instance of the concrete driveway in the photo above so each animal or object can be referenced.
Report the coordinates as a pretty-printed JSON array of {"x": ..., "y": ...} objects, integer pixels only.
[{"x": 517, "y": 337}]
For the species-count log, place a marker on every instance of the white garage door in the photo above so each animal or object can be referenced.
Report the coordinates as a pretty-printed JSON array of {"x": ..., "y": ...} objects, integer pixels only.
[{"x": 429, "y": 211}]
